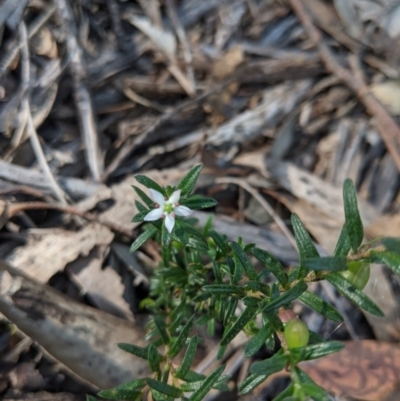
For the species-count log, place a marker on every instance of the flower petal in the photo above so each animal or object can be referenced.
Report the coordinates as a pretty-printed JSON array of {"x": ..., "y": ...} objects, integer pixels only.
[
  {"x": 174, "y": 198},
  {"x": 154, "y": 214},
  {"x": 183, "y": 211},
  {"x": 169, "y": 222},
  {"x": 157, "y": 197}
]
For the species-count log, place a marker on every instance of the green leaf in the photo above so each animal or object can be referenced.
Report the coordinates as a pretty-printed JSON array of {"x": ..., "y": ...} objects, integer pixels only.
[
  {"x": 316, "y": 392},
  {"x": 391, "y": 244},
  {"x": 139, "y": 217},
  {"x": 258, "y": 340},
  {"x": 194, "y": 386},
  {"x": 181, "y": 340},
  {"x": 305, "y": 245},
  {"x": 126, "y": 391},
  {"x": 272, "y": 264},
  {"x": 207, "y": 384},
  {"x": 189, "y": 181},
  {"x": 217, "y": 272},
  {"x": 258, "y": 286},
  {"x": 221, "y": 242},
  {"x": 343, "y": 245},
  {"x": 143, "y": 237},
  {"x": 285, "y": 395},
  {"x": 141, "y": 207},
  {"x": 318, "y": 350},
  {"x": 188, "y": 358},
  {"x": 224, "y": 289},
  {"x": 199, "y": 202},
  {"x": 221, "y": 351},
  {"x": 149, "y": 183},
  {"x": 330, "y": 263},
  {"x": 390, "y": 259},
  {"x": 245, "y": 261},
  {"x": 321, "y": 306},
  {"x": 144, "y": 197},
  {"x": 154, "y": 358},
  {"x": 164, "y": 388},
  {"x": 353, "y": 294},
  {"x": 230, "y": 311},
  {"x": 354, "y": 225},
  {"x": 252, "y": 302},
  {"x": 250, "y": 383},
  {"x": 162, "y": 329},
  {"x": 289, "y": 296},
  {"x": 271, "y": 365},
  {"x": 239, "y": 324},
  {"x": 134, "y": 349},
  {"x": 90, "y": 398}
]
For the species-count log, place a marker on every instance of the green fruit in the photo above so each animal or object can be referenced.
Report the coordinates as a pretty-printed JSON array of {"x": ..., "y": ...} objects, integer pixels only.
[
  {"x": 296, "y": 333},
  {"x": 358, "y": 274}
]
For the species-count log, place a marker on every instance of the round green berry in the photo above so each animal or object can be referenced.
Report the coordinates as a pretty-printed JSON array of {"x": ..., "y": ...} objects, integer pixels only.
[{"x": 296, "y": 333}]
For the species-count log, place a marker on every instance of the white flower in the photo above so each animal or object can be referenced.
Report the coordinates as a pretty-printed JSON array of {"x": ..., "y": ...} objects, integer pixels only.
[{"x": 167, "y": 208}]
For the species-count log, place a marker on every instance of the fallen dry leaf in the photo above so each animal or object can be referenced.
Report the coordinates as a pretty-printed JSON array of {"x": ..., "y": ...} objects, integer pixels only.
[{"x": 365, "y": 370}]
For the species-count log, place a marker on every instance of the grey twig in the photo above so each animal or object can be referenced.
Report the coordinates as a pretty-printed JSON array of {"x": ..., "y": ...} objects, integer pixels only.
[
  {"x": 6, "y": 61},
  {"x": 180, "y": 32},
  {"x": 33, "y": 137},
  {"x": 81, "y": 93}
]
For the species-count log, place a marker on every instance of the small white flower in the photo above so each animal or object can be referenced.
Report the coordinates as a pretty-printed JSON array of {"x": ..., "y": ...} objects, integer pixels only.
[{"x": 167, "y": 208}]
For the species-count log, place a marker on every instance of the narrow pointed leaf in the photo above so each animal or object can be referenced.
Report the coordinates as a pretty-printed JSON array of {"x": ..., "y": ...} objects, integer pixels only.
[
  {"x": 304, "y": 242},
  {"x": 164, "y": 388},
  {"x": 321, "y": 306},
  {"x": 287, "y": 297},
  {"x": 316, "y": 392},
  {"x": 272, "y": 264},
  {"x": 319, "y": 350},
  {"x": 330, "y": 263},
  {"x": 353, "y": 294},
  {"x": 245, "y": 261},
  {"x": 141, "y": 207},
  {"x": 271, "y": 365},
  {"x": 143, "y": 238},
  {"x": 224, "y": 289},
  {"x": 189, "y": 181},
  {"x": 207, "y": 384},
  {"x": 134, "y": 349},
  {"x": 160, "y": 324},
  {"x": 239, "y": 324},
  {"x": 354, "y": 225},
  {"x": 180, "y": 341},
  {"x": 139, "y": 217},
  {"x": 390, "y": 259},
  {"x": 221, "y": 243},
  {"x": 258, "y": 340},
  {"x": 199, "y": 202},
  {"x": 391, "y": 244},
  {"x": 154, "y": 358},
  {"x": 149, "y": 183},
  {"x": 188, "y": 358},
  {"x": 343, "y": 245},
  {"x": 149, "y": 202},
  {"x": 250, "y": 383},
  {"x": 126, "y": 391}
]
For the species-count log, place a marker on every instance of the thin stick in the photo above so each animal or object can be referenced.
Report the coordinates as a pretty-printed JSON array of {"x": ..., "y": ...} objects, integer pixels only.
[
  {"x": 32, "y": 30},
  {"x": 33, "y": 136},
  {"x": 180, "y": 32},
  {"x": 279, "y": 222},
  {"x": 386, "y": 126},
  {"x": 81, "y": 93}
]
